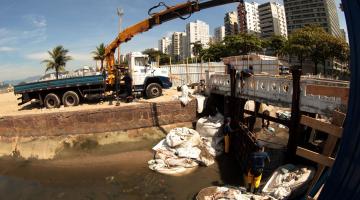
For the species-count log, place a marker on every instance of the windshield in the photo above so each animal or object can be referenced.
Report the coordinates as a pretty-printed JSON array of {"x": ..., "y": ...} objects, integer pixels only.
[{"x": 141, "y": 61}]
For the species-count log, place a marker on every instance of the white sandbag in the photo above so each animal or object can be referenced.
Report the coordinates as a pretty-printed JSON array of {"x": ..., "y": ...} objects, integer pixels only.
[
  {"x": 286, "y": 180},
  {"x": 200, "y": 103},
  {"x": 210, "y": 126},
  {"x": 178, "y": 136},
  {"x": 182, "y": 148},
  {"x": 188, "y": 152},
  {"x": 184, "y": 98},
  {"x": 160, "y": 166},
  {"x": 222, "y": 193}
]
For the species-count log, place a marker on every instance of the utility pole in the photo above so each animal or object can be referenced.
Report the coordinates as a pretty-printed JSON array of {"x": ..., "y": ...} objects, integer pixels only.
[{"x": 120, "y": 13}]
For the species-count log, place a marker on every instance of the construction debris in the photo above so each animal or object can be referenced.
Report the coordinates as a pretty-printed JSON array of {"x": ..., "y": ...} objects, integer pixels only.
[{"x": 288, "y": 180}]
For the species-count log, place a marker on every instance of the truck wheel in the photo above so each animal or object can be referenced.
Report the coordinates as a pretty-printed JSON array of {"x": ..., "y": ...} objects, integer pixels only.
[
  {"x": 153, "y": 90},
  {"x": 52, "y": 101},
  {"x": 70, "y": 98}
]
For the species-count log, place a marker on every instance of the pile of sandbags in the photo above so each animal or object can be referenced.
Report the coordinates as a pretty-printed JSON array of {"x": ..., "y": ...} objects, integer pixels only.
[
  {"x": 288, "y": 180},
  {"x": 181, "y": 150},
  {"x": 210, "y": 129},
  {"x": 231, "y": 193},
  {"x": 184, "y": 149}
]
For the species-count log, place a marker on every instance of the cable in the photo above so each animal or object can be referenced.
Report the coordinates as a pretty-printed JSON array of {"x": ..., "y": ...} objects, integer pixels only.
[{"x": 167, "y": 7}]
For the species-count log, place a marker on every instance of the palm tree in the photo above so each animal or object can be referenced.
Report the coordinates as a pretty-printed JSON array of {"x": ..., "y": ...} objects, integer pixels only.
[
  {"x": 99, "y": 54},
  {"x": 57, "y": 61}
]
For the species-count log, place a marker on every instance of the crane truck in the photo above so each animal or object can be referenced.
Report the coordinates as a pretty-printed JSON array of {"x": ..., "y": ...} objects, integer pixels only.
[{"x": 146, "y": 79}]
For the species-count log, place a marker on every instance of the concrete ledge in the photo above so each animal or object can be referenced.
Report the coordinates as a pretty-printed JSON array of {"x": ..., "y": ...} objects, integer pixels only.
[{"x": 98, "y": 121}]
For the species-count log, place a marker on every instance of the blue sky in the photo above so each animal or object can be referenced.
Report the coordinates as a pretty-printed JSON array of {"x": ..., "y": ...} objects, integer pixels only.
[{"x": 29, "y": 28}]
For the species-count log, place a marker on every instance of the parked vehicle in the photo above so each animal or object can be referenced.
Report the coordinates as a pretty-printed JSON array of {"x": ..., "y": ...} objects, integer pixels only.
[{"x": 72, "y": 88}]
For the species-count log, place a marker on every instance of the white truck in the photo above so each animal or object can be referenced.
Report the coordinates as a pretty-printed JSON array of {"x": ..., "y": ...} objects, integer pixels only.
[
  {"x": 147, "y": 78},
  {"x": 73, "y": 89}
]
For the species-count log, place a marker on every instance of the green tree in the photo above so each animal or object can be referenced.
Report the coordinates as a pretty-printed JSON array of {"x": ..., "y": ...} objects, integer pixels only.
[
  {"x": 155, "y": 55},
  {"x": 299, "y": 45},
  {"x": 57, "y": 61},
  {"x": 99, "y": 54},
  {"x": 215, "y": 52},
  {"x": 243, "y": 43},
  {"x": 338, "y": 49},
  {"x": 276, "y": 44},
  {"x": 197, "y": 48}
]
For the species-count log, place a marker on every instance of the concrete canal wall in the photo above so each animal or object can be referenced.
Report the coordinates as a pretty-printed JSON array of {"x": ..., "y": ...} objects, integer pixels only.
[{"x": 98, "y": 121}]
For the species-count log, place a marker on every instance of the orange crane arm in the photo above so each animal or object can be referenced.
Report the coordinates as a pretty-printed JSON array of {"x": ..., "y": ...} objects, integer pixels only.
[{"x": 170, "y": 13}]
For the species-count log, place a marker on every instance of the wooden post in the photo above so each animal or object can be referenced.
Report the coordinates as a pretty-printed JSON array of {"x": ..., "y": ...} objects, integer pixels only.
[
  {"x": 295, "y": 114},
  {"x": 253, "y": 118},
  {"x": 201, "y": 70},
  {"x": 187, "y": 70},
  {"x": 209, "y": 65},
  {"x": 170, "y": 70}
]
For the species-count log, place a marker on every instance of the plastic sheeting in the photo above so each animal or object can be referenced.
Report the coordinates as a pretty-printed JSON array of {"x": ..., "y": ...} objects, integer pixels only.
[{"x": 344, "y": 179}]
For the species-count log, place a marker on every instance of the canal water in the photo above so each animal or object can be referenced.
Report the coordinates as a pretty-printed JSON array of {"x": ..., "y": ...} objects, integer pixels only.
[{"x": 116, "y": 171}]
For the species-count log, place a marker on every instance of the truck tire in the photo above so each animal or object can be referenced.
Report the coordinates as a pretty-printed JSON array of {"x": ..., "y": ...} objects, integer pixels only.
[
  {"x": 52, "y": 101},
  {"x": 70, "y": 98},
  {"x": 153, "y": 90}
]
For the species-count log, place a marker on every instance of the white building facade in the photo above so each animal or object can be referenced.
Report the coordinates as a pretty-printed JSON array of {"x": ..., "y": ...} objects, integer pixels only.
[
  {"x": 176, "y": 45},
  {"x": 196, "y": 31},
  {"x": 248, "y": 17},
  {"x": 219, "y": 34},
  {"x": 272, "y": 19},
  {"x": 164, "y": 45},
  {"x": 231, "y": 23}
]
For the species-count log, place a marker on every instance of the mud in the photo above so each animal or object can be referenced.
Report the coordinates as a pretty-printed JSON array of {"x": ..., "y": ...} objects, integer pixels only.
[{"x": 100, "y": 169}]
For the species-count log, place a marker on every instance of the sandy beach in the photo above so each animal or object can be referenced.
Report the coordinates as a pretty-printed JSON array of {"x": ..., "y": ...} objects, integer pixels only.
[{"x": 9, "y": 104}]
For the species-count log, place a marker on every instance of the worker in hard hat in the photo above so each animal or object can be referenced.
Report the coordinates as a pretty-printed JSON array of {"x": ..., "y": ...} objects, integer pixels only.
[{"x": 255, "y": 168}]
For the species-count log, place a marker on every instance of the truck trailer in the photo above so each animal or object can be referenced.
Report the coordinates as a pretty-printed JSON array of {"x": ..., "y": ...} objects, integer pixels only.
[{"x": 147, "y": 80}]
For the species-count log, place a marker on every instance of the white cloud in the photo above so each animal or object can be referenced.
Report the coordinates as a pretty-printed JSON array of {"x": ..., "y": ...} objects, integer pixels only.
[
  {"x": 81, "y": 56},
  {"x": 38, "y": 21},
  {"x": 6, "y": 49},
  {"x": 36, "y": 34},
  {"x": 85, "y": 57},
  {"x": 11, "y": 71},
  {"x": 37, "y": 56}
]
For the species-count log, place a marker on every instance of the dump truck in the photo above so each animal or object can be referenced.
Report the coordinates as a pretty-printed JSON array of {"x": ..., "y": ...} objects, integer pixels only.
[{"x": 70, "y": 91}]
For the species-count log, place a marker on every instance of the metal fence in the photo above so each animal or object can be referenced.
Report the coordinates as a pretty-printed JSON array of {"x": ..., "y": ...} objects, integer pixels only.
[{"x": 192, "y": 73}]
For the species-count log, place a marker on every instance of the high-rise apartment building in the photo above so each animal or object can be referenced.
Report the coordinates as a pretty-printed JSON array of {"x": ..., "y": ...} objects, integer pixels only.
[
  {"x": 300, "y": 13},
  {"x": 248, "y": 17},
  {"x": 196, "y": 31},
  {"x": 183, "y": 47},
  {"x": 164, "y": 45},
  {"x": 231, "y": 23},
  {"x": 176, "y": 45},
  {"x": 272, "y": 19},
  {"x": 219, "y": 34}
]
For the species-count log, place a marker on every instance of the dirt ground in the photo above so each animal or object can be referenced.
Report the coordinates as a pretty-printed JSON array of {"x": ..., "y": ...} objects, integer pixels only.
[{"x": 9, "y": 104}]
